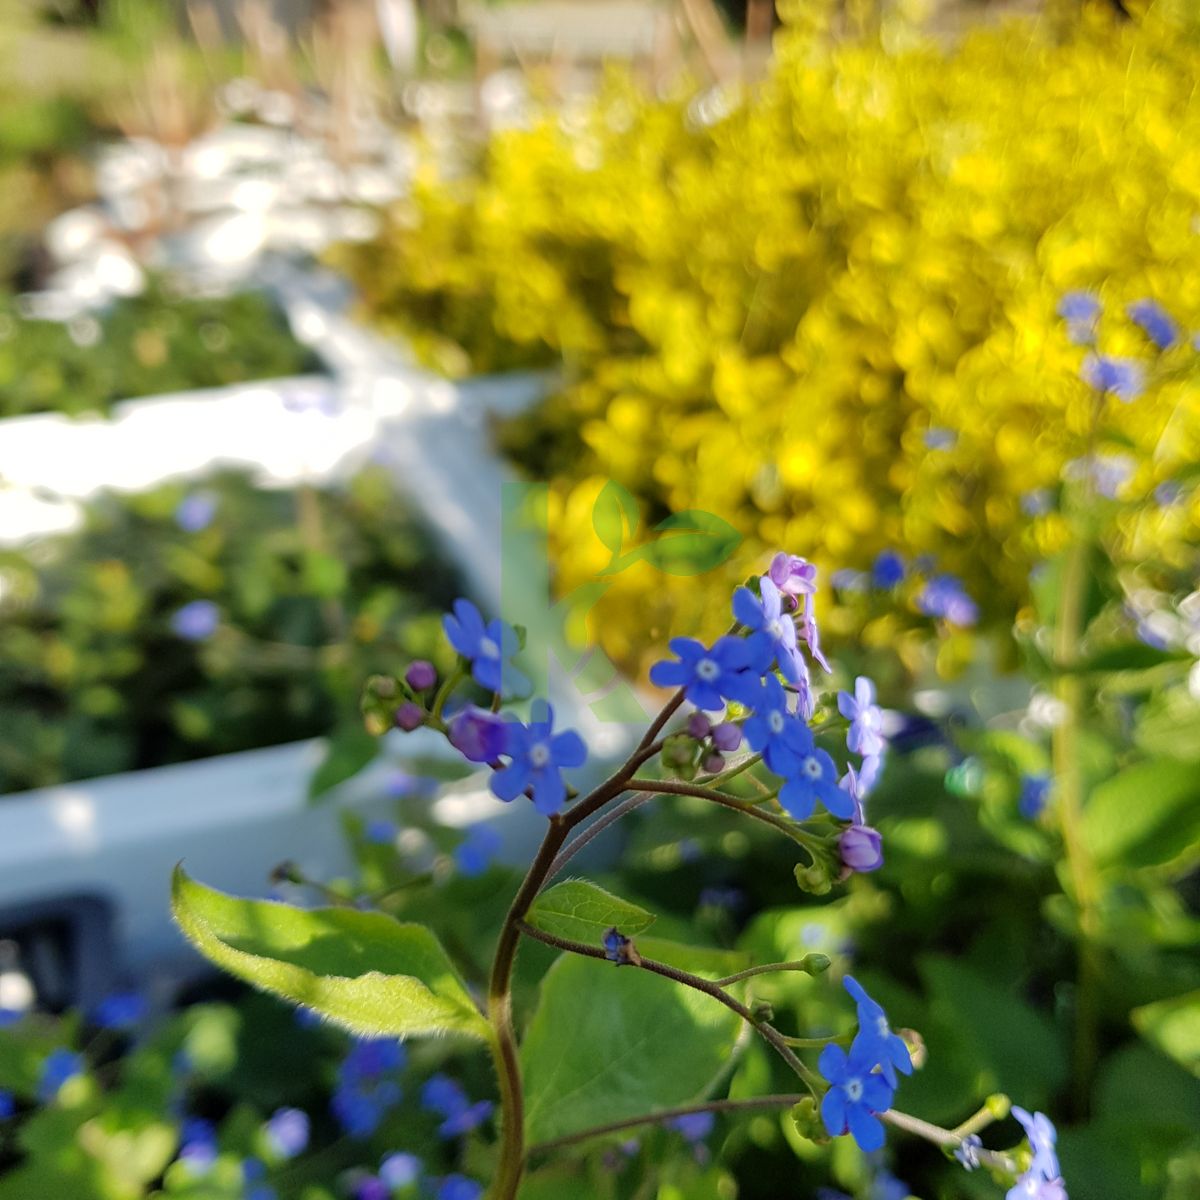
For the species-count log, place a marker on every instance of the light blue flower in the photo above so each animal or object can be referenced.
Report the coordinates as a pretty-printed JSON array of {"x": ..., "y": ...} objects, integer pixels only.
[{"x": 538, "y": 757}]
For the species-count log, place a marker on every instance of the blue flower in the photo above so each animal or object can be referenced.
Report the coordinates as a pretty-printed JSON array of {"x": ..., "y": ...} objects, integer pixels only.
[
  {"x": 1121, "y": 377},
  {"x": 865, "y": 735},
  {"x": 1081, "y": 311},
  {"x": 945, "y": 597},
  {"x": 856, "y": 1095},
  {"x": 477, "y": 735},
  {"x": 400, "y": 1170},
  {"x": 474, "y": 854},
  {"x": 968, "y": 1151},
  {"x": 122, "y": 1010},
  {"x": 875, "y": 1041},
  {"x": 861, "y": 848},
  {"x": 816, "y": 779},
  {"x": 537, "y": 757},
  {"x": 1155, "y": 322},
  {"x": 444, "y": 1096},
  {"x": 196, "y": 621},
  {"x": 8, "y": 1104},
  {"x": 287, "y": 1132},
  {"x": 888, "y": 569},
  {"x": 792, "y": 575},
  {"x": 709, "y": 676},
  {"x": 381, "y": 832},
  {"x": 60, "y": 1066},
  {"x": 198, "y": 1144},
  {"x": 1035, "y": 791},
  {"x": 773, "y": 632},
  {"x": 371, "y": 1187},
  {"x": 459, "y": 1187},
  {"x": 885, "y": 1186},
  {"x": 1043, "y": 1179},
  {"x": 1038, "y": 502},
  {"x": 694, "y": 1127},
  {"x": 486, "y": 647},
  {"x": 369, "y": 1058},
  {"x": 195, "y": 512},
  {"x": 775, "y": 732},
  {"x": 937, "y": 438}
]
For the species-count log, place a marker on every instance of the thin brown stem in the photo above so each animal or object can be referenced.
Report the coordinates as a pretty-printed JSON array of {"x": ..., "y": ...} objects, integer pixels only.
[
  {"x": 596, "y": 828},
  {"x": 673, "y": 787},
  {"x": 750, "y": 1104}
]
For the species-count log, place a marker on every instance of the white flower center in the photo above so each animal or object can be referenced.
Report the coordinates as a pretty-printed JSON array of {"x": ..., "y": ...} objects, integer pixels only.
[
  {"x": 885, "y": 1030},
  {"x": 539, "y": 754},
  {"x": 775, "y": 629},
  {"x": 488, "y": 648},
  {"x": 707, "y": 670},
  {"x": 812, "y": 768},
  {"x": 775, "y": 721},
  {"x": 854, "y": 1090}
]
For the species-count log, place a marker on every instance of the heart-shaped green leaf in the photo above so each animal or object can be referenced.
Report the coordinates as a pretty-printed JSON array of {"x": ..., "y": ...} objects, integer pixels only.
[
  {"x": 609, "y": 1042},
  {"x": 582, "y": 911},
  {"x": 364, "y": 971}
]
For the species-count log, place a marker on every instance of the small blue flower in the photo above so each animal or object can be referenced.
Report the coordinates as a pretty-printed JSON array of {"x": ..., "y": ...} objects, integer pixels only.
[
  {"x": 775, "y": 732},
  {"x": 371, "y": 1187},
  {"x": 59, "y": 1067},
  {"x": 888, "y": 569},
  {"x": 968, "y": 1151},
  {"x": 694, "y": 1127},
  {"x": 865, "y": 735},
  {"x": 1038, "y": 502},
  {"x": 944, "y": 597},
  {"x": 940, "y": 439},
  {"x": 1043, "y": 1179},
  {"x": 815, "y": 780},
  {"x": 885, "y": 1186},
  {"x": 486, "y": 647},
  {"x": 1155, "y": 322},
  {"x": 442, "y": 1095},
  {"x": 1081, "y": 311},
  {"x": 369, "y": 1058},
  {"x": 875, "y": 1042},
  {"x": 195, "y": 512},
  {"x": 459, "y": 1187},
  {"x": 1035, "y": 791},
  {"x": 538, "y": 757},
  {"x": 477, "y": 735},
  {"x": 196, "y": 621},
  {"x": 381, "y": 832},
  {"x": 1108, "y": 473},
  {"x": 400, "y": 1170},
  {"x": 1124, "y": 378},
  {"x": 198, "y": 1144},
  {"x": 773, "y": 632},
  {"x": 710, "y": 676},
  {"x": 474, "y": 854},
  {"x": 856, "y": 1095},
  {"x": 288, "y": 1132},
  {"x": 122, "y": 1010},
  {"x": 8, "y": 1104}
]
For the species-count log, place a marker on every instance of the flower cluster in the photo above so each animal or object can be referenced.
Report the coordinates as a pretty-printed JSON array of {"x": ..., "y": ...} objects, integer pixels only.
[{"x": 863, "y": 1081}]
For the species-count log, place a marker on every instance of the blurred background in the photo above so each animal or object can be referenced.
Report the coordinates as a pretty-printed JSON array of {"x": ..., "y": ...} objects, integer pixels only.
[{"x": 289, "y": 289}]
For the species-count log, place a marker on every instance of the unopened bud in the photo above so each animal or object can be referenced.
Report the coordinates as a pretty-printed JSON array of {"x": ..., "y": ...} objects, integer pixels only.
[
  {"x": 917, "y": 1052},
  {"x": 861, "y": 848},
  {"x": 714, "y": 763},
  {"x": 409, "y": 716},
  {"x": 420, "y": 675},
  {"x": 815, "y": 879},
  {"x": 816, "y": 963},
  {"x": 807, "y": 1120},
  {"x": 699, "y": 726}
]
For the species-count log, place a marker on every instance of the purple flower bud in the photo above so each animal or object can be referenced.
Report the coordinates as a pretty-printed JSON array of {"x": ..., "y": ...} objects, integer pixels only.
[
  {"x": 699, "y": 726},
  {"x": 861, "y": 848},
  {"x": 409, "y": 716},
  {"x": 714, "y": 763},
  {"x": 727, "y": 736},
  {"x": 195, "y": 512},
  {"x": 477, "y": 735},
  {"x": 420, "y": 675},
  {"x": 197, "y": 621},
  {"x": 793, "y": 575}
]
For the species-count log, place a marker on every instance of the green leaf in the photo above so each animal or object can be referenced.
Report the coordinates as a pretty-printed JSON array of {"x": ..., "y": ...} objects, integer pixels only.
[
  {"x": 348, "y": 750},
  {"x": 615, "y": 516},
  {"x": 1146, "y": 815},
  {"x": 364, "y": 971},
  {"x": 1174, "y": 1027},
  {"x": 693, "y": 542},
  {"x": 582, "y": 912},
  {"x": 1170, "y": 726},
  {"x": 608, "y": 1042}
]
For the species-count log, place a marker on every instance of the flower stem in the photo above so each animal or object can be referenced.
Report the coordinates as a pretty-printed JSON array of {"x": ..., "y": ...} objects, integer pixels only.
[
  {"x": 768, "y": 969},
  {"x": 750, "y": 1104}
]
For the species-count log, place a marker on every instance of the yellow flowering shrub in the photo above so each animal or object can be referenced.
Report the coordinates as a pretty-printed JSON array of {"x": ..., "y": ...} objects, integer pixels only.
[{"x": 826, "y": 309}]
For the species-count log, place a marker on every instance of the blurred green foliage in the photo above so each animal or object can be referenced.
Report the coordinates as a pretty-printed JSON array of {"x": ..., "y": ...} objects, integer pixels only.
[
  {"x": 152, "y": 344},
  {"x": 765, "y": 302},
  {"x": 312, "y": 590}
]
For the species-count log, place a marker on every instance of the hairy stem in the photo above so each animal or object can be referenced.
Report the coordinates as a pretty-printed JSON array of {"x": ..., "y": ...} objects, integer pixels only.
[
  {"x": 674, "y": 787},
  {"x": 594, "y": 830},
  {"x": 766, "y": 969},
  {"x": 670, "y": 1114},
  {"x": 767, "y": 1031}
]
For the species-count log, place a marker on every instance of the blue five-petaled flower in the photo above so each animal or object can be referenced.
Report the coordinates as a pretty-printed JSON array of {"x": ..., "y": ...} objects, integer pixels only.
[
  {"x": 537, "y": 757},
  {"x": 775, "y": 732},
  {"x": 773, "y": 632},
  {"x": 865, "y": 735},
  {"x": 875, "y": 1038},
  {"x": 815, "y": 779},
  {"x": 728, "y": 670},
  {"x": 856, "y": 1094},
  {"x": 487, "y": 647}
]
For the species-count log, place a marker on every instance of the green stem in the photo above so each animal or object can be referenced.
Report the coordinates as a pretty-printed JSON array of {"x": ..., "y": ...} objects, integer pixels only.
[
  {"x": 768, "y": 969},
  {"x": 948, "y": 1138}
]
